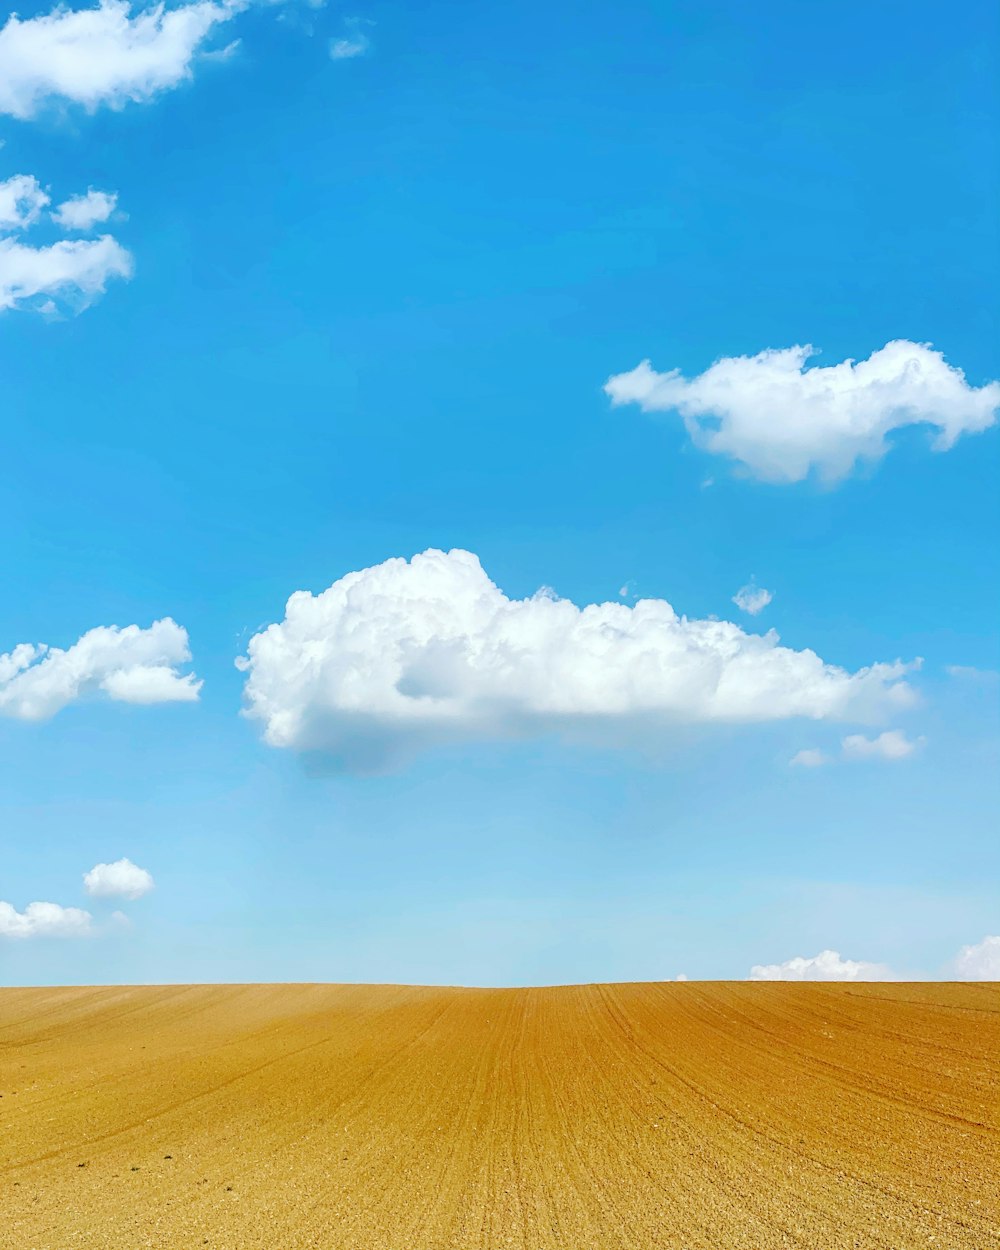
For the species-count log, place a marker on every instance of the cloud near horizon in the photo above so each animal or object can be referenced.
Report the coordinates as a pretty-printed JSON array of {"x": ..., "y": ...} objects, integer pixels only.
[
  {"x": 826, "y": 966},
  {"x": 781, "y": 420},
  {"x": 980, "y": 962},
  {"x": 103, "y": 55},
  {"x": 406, "y": 655},
  {"x": 130, "y": 665}
]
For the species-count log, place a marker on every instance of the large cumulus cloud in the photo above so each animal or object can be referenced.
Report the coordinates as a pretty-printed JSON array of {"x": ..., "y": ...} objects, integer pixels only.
[{"x": 408, "y": 654}]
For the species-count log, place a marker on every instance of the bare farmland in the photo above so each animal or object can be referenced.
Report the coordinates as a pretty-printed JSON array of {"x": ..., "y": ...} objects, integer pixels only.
[{"x": 699, "y": 1116}]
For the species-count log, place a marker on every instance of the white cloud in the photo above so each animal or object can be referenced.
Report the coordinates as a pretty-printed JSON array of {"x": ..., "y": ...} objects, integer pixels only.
[
  {"x": 405, "y": 655},
  {"x": 130, "y": 665},
  {"x": 346, "y": 49},
  {"x": 21, "y": 201},
  {"x": 83, "y": 212},
  {"x": 102, "y": 55},
  {"x": 75, "y": 271},
  {"x": 966, "y": 672},
  {"x": 980, "y": 962},
  {"x": 781, "y": 420},
  {"x": 809, "y": 758},
  {"x": 752, "y": 599},
  {"x": 122, "y": 879},
  {"x": 826, "y": 966},
  {"x": 44, "y": 920},
  {"x": 150, "y": 683},
  {"x": 891, "y": 745},
  {"x": 356, "y": 43},
  {"x": 225, "y": 53}
]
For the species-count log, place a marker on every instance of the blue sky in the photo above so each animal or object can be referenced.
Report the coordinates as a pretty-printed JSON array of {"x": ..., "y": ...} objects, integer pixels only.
[{"x": 366, "y": 306}]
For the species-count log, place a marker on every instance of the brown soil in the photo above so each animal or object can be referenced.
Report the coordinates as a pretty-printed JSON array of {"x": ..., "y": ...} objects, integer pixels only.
[{"x": 710, "y": 1116}]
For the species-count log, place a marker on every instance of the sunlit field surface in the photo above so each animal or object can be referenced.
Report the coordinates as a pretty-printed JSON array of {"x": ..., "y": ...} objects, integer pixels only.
[{"x": 715, "y": 1116}]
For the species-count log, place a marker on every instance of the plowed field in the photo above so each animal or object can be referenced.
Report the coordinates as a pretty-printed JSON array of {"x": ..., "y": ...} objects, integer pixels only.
[{"x": 709, "y": 1116}]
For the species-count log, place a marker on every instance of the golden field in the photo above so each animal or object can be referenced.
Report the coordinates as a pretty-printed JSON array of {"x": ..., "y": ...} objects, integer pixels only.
[{"x": 695, "y": 1116}]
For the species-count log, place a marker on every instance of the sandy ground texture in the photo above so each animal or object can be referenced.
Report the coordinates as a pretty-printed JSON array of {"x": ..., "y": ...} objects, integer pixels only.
[{"x": 698, "y": 1116}]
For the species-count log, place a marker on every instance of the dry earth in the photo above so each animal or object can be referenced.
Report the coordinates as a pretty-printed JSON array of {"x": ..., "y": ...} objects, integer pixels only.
[{"x": 700, "y": 1116}]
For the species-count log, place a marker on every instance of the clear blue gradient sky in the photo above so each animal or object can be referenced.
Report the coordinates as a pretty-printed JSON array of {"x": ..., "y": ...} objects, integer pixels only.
[{"x": 375, "y": 302}]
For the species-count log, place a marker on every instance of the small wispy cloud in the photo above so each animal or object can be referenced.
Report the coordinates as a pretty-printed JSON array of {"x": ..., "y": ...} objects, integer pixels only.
[
  {"x": 809, "y": 758},
  {"x": 891, "y": 745},
  {"x": 967, "y": 672},
  {"x": 223, "y": 54},
  {"x": 752, "y": 599},
  {"x": 354, "y": 43}
]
